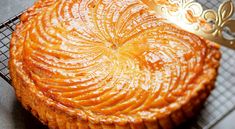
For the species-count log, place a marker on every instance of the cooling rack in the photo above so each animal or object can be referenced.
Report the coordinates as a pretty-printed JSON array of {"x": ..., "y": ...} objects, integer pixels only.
[
  {"x": 220, "y": 103},
  {"x": 6, "y": 30}
]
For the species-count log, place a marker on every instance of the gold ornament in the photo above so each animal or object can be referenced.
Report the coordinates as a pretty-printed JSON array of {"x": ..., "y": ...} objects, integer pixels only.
[{"x": 189, "y": 15}]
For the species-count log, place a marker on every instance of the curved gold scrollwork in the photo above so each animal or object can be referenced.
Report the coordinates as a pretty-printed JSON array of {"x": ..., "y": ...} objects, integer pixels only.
[
  {"x": 189, "y": 15},
  {"x": 223, "y": 27}
]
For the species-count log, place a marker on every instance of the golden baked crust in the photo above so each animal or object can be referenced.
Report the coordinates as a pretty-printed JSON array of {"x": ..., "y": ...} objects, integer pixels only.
[{"x": 108, "y": 64}]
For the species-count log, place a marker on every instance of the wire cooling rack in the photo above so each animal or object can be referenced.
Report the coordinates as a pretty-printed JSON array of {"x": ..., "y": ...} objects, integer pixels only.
[
  {"x": 6, "y": 30},
  {"x": 220, "y": 103}
]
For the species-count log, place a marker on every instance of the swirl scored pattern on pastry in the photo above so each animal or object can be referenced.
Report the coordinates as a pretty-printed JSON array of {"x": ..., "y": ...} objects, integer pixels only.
[{"x": 108, "y": 64}]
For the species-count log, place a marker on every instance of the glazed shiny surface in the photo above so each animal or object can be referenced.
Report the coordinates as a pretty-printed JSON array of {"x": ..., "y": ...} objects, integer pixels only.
[{"x": 111, "y": 58}]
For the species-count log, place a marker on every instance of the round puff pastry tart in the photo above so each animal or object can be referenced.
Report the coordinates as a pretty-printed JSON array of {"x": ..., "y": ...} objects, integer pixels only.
[{"x": 108, "y": 64}]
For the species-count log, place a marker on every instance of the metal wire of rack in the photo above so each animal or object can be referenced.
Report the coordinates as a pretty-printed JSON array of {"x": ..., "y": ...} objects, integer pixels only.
[
  {"x": 220, "y": 103},
  {"x": 6, "y": 30}
]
